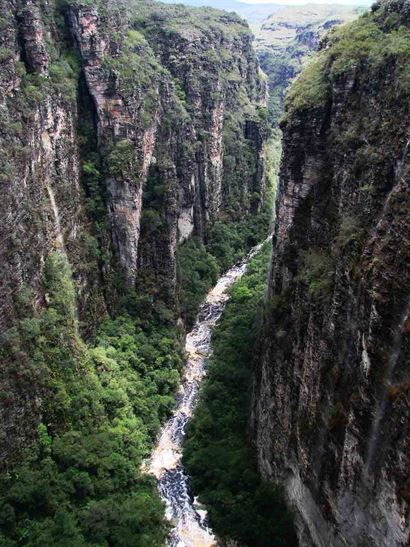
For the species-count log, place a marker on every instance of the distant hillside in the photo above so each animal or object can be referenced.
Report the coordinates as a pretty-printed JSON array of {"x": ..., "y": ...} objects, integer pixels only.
[
  {"x": 254, "y": 13},
  {"x": 286, "y": 39},
  {"x": 281, "y": 27}
]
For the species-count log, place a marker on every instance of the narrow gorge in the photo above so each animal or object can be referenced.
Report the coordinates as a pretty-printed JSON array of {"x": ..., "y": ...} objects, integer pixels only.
[{"x": 139, "y": 159}]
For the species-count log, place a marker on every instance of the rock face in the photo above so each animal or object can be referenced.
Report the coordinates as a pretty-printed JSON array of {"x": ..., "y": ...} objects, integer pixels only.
[
  {"x": 331, "y": 401},
  {"x": 158, "y": 107},
  {"x": 122, "y": 127}
]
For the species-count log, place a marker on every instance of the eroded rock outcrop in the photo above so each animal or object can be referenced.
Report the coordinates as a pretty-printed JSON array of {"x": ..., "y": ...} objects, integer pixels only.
[{"x": 331, "y": 403}]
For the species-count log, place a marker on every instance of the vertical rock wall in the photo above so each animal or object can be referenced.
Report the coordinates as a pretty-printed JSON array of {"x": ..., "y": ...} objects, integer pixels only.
[{"x": 331, "y": 402}]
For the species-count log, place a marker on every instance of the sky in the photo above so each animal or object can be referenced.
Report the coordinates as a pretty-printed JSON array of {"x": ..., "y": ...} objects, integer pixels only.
[{"x": 301, "y": 2}]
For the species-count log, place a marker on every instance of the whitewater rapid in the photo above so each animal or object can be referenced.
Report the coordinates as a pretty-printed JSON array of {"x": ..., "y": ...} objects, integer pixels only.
[{"x": 187, "y": 517}]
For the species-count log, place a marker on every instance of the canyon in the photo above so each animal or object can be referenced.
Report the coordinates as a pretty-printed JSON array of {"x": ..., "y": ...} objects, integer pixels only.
[
  {"x": 132, "y": 134},
  {"x": 139, "y": 157}
]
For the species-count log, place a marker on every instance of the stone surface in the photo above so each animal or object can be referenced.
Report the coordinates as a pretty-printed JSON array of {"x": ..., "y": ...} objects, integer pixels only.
[{"x": 331, "y": 400}]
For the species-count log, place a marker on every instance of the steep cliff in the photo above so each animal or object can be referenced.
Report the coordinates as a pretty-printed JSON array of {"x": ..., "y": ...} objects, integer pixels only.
[{"x": 331, "y": 401}]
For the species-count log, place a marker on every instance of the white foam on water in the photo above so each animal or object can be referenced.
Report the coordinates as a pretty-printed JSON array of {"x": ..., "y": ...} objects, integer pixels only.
[{"x": 188, "y": 518}]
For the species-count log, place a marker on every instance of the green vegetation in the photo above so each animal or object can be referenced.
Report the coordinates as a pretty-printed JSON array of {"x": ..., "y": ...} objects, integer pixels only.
[
  {"x": 350, "y": 231},
  {"x": 137, "y": 71},
  {"x": 6, "y": 54},
  {"x": 100, "y": 401},
  {"x": 228, "y": 242},
  {"x": 366, "y": 41},
  {"x": 373, "y": 41},
  {"x": 121, "y": 160},
  {"x": 34, "y": 89},
  {"x": 177, "y": 18},
  {"x": 168, "y": 29},
  {"x": 200, "y": 266},
  {"x": 217, "y": 453},
  {"x": 280, "y": 69},
  {"x": 311, "y": 88},
  {"x": 64, "y": 74},
  {"x": 242, "y": 221},
  {"x": 199, "y": 271},
  {"x": 102, "y": 406},
  {"x": 230, "y": 237},
  {"x": 154, "y": 297},
  {"x": 287, "y": 40},
  {"x": 317, "y": 271}
]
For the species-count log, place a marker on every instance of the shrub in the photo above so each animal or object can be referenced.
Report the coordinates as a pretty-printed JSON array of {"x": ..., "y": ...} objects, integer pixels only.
[
  {"x": 199, "y": 271},
  {"x": 6, "y": 54},
  {"x": 33, "y": 93},
  {"x": 311, "y": 88},
  {"x": 121, "y": 158},
  {"x": 350, "y": 230},
  {"x": 317, "y": 271}
]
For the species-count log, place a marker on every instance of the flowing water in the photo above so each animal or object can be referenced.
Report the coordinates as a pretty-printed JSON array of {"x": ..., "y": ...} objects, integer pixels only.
[{"x": 187, "y": 517}]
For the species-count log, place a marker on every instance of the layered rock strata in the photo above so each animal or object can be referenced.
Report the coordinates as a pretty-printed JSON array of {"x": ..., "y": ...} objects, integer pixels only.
[{"x": 331, "y": 401}]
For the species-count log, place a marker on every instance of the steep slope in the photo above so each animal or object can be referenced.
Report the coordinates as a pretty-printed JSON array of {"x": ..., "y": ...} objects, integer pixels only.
[
  {"x": 331, "y": 402},
  {"x": 242, "y": 507},
  {"x": 133, "y": 103},
  {"x": 126, "y": 128}
]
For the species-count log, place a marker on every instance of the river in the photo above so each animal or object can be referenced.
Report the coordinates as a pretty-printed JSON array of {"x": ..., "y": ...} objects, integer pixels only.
[{"x": 187, "y": 517}]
